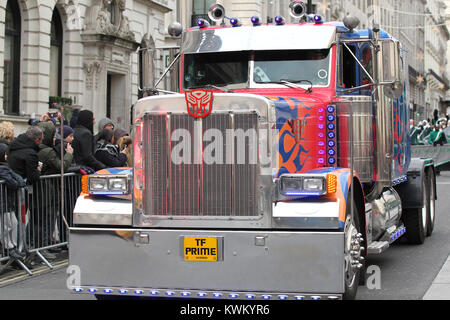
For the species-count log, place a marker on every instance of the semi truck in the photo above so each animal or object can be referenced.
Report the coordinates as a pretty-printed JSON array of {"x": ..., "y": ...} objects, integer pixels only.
[{"x": 278, "y": 164}]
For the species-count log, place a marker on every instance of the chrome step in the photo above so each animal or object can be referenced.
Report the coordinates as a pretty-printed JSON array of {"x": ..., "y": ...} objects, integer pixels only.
[{"x": 377, "y": 247}]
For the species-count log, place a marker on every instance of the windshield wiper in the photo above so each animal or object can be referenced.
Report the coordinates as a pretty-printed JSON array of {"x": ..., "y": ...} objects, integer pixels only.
[
  {"x": 293, "y": 82},
  {"x": 290, "y": 83},
  {"x": 212, "y": 86}
]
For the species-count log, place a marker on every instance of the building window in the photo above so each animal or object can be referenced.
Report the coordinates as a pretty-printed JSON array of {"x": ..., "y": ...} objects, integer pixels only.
[
  {"x": 11, "y": 80},
  {"x": 200, "y": 10},
  {"x": 56, "y": 45},
  {"x": 112, "y": 9}
]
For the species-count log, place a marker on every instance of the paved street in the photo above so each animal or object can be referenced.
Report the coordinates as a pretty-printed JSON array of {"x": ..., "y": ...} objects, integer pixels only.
[{"x": 406, "y": 271}]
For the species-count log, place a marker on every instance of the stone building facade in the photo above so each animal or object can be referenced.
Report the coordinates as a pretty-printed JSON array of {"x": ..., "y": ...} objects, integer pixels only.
[{"x": 87, "y": 51}]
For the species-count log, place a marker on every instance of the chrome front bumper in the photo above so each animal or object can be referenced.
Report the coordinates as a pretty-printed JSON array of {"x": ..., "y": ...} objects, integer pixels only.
[{"x": 254, "y": 265}]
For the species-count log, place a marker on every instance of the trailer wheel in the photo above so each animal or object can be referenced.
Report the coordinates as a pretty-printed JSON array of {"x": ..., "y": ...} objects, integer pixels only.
[
  {"x": 352, "y": 253},
  {"x": 431, "y": 214},
  {"x": 416, "y": 218}
]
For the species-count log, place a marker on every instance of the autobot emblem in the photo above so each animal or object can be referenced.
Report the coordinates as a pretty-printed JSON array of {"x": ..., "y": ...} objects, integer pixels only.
[
  {"x": 199, "y": 102},
  {"x": 297, "y": 128}
]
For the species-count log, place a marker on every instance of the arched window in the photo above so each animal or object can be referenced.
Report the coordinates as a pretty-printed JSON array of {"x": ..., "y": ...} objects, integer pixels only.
[
  {"x": 56, "y": 45},
  {"x": 112, "y": 9},
  {"x": 11, "y": 80}
]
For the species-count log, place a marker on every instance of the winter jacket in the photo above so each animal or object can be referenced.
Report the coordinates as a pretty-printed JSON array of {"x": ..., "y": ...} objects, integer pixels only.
[
  {"x": 12, "y": 179},
  {"x": 82, "y": 144},
  {"x": 23, "y": 158},
  {"x": 109, "y": 154},
  {"x": 48, "y": 155}
]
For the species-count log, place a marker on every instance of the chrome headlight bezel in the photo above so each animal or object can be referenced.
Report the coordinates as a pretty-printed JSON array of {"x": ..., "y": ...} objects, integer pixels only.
[
  {"x": 294, "y": 185},
  {"x": 112, "y": 184}
]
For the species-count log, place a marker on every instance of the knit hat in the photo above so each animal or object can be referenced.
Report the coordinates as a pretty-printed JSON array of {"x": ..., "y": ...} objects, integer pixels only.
[
  {"x": 67, "y": 131},
  {"x": 119, "y": 133},
  {"x": 85, "y": 119}
]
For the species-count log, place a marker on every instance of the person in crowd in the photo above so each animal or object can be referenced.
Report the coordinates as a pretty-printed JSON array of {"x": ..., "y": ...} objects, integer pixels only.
[
  {"x": 48, "y": 153},
  {"x": 104, "y": 123},
  {"x": 107, "y": 152},
  {"x": 23, "y": 154},
  {"x": 125, "y": 144},
  {"x": 6, "y": 132},
  {"x": 437, "y": 136},
  {"x": 82, "y": 145},
  {"x": 8, "y": 217}
]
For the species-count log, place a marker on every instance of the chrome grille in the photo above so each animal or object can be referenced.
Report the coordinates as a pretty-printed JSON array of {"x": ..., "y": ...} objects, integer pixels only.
[{"x": 225, "y": 187}]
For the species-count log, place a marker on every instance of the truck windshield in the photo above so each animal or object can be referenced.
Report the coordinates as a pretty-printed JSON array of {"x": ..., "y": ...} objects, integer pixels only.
[
  {"x": 218, "y": 69},
  {"x": 295, "y": 65}
]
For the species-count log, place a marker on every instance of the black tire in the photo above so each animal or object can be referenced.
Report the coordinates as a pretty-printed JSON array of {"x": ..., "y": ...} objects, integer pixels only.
[
  {"x": 431, "y": 213},
  {"x": 351, "y": 274},
  {"x": 415, "y": 219}
]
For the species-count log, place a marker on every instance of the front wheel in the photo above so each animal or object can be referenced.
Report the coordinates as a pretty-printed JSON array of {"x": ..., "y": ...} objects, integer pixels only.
[{"x": 353, "y": 261}]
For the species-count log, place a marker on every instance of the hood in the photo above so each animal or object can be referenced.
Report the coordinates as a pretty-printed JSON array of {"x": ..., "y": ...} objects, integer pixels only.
[
  {"x": 85, "y": 119},
  {"x": 302, "y": 133},
  {"x": 49, "y": 133},
  {"x": 22, "y": 142}
]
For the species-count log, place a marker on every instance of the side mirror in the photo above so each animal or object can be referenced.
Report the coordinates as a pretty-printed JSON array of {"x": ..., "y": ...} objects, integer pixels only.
[{"x": 392, "y": 67}]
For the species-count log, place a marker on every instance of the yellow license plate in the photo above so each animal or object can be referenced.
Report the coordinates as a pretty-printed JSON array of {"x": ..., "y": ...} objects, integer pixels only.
[{"x": 200, "y": 249}]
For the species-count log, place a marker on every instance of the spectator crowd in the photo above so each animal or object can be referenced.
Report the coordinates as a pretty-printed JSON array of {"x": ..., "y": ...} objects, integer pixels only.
[{"x": 49, "y": 146}]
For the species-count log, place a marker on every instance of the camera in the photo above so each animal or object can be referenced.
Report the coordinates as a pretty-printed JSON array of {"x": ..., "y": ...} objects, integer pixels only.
[{"x": 53, "y": 114}]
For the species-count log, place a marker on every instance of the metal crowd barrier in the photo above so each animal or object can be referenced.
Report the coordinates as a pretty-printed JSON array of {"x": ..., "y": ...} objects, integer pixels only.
[{"x": 31, "y": 221}]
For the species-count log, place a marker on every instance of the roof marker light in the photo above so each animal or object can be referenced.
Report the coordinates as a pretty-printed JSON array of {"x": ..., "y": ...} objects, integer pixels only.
[
  {"x": 250, "y": 296},
  {"x": 318, "y": 19},
  {"x": 170, "y": 293},
  {"x": 299, "y": 297},
  {"x": 186, "y": 294},
  {"x": 266, "y": 297},
  {"x": 235, "y": 22},
  {"x": 233, "y": 295},
  {"x": 282, "y": 297},
  {"x": 78, "y": 290},
  {"x": 92, "y": 290},
  {"x": 202, "y": 23},
  {"x": 201, "y": 294},
  {"x": 279, "y": 20},
  {"x": 123, "y": 291},
  {"x": 154, "y": 292},
  {"x": 217, "y": 294},
  {"x": 107, "y": 291},
  {"x": 136, "y": 291},
  {"x": 256, "y": 21}
]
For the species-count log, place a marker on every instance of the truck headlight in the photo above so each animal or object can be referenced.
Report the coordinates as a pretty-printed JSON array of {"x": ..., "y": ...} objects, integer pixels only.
[
  {"x": 98, "y": 184},
  {"x": 118, "y": 184},
  {"x": 314, "y": 184},
  {"x": 108, "y": 185},
  {"x": 302, "y": 185}
]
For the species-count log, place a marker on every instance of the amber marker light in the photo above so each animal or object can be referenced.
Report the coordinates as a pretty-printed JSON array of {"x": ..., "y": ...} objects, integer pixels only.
[
  {"x": 84, "y": 184},
  {"x": 331, "y": 183}
]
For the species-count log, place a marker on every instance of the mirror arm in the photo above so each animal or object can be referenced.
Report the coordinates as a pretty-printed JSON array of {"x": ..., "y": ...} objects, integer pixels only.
[
  {"x": 356, "y": 59},
  {"x": 167, "y": 70}
]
